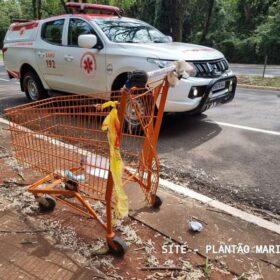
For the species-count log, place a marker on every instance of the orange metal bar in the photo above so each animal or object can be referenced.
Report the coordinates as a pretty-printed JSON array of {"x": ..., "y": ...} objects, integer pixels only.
[
  {"x": 49, "y": 190},
  {"x": 73, "y": 206},
  {"x": 91, "y": 211},
  {"x": 108, "y": 196},
  {"x": 160, "y": 113},
  {"x": 40, "y": 182}
]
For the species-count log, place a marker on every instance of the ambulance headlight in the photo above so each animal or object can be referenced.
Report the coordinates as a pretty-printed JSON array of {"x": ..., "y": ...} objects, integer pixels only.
[{"x": 161, "y": 63}]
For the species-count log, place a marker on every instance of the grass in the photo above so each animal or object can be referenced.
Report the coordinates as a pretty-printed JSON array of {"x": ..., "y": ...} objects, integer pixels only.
[
  {"x": 206, "y": 268},
  {"x": 259, "y": 81}
]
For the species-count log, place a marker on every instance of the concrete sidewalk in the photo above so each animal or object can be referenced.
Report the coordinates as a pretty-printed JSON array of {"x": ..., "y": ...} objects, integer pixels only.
[
  {"x": 28, "y": 255},
  {"x": 219, "y": 229},
  {"x": 24, "y": 260}
]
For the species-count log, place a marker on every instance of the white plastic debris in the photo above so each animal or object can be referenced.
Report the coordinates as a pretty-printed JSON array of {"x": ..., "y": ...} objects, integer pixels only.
[
  {"x": 71, "y": 176},
  {"x": 195, "y": 226}
]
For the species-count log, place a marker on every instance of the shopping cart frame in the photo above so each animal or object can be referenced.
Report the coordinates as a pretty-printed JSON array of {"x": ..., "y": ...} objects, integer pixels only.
[{"x": 46, "y": 195}]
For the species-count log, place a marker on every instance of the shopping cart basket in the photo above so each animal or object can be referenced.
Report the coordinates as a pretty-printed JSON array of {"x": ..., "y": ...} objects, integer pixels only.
[{"x": 62, "y": 137}]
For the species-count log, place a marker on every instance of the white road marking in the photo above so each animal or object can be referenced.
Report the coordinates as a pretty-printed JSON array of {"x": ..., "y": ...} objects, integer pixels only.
[
  {"x": 247, "y": 128},
  {"x": 5, "y": 80}
]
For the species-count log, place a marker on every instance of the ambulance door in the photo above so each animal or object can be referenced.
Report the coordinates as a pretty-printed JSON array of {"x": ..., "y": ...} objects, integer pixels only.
[
  {"x": 47, "y": 51},
  {"x": 84, "y": 69}
]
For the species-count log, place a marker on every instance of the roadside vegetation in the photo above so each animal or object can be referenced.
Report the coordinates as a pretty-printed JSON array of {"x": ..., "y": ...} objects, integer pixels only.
[
  {"x": 1, "y": 56},
  {"x": 259, "y": 81},
  {"x": 244, "y": 30}
]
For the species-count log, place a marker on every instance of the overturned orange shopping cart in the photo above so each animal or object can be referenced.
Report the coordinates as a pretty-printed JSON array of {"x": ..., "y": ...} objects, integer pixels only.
[{"x": 63, "y": 138}]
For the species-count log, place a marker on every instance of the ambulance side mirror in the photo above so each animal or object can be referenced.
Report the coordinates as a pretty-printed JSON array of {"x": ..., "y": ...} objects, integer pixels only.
[
  {"x": 170, "y": 39},
  {"x": 87, "y": 41}
]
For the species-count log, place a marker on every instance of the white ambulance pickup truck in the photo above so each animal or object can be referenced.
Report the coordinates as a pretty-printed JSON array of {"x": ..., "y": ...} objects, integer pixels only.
[{"x": 87, "y": 53}]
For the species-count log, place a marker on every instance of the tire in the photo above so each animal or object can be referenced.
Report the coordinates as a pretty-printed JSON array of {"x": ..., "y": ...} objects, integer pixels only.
[
  {"x": 157, "y": 202},
  {"x": 132, "y": 123},
  {"x": 117, "y": 247},
  {"x": 46, "y": 203},
  {"x": 33, "y": 87}
]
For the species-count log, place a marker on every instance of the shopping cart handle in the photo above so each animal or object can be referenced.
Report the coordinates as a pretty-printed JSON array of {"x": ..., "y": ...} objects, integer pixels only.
[{"x": 140, "y": 79}]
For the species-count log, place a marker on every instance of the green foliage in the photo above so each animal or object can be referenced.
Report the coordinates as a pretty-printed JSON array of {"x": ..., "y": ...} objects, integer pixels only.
[
  {"x": 244, "y": 30},
  {"x": 52, "y": 8},
  {"x": 251, "y": 13},
  {"x": 259, "y": 81},
  {"x": 206, "y": 268}
]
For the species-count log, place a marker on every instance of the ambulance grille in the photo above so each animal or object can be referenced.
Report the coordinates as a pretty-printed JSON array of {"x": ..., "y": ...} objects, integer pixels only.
[{"x": 211, "y": 68}]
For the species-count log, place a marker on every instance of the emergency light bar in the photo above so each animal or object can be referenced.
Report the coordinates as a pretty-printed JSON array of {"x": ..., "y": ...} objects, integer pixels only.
[
  {"x": 20, "y": 20},
  {"x": 82, "y": 7}
]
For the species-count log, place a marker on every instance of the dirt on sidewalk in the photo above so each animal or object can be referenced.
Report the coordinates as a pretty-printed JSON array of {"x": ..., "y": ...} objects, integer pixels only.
[{"x": 64, "y": 244}]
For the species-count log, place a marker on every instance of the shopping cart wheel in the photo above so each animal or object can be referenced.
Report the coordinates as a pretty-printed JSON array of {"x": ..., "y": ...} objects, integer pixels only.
[
  {"x": 71, "y": 185},
  {"x": 117, "y": 247},
  {"x": 46, "y": 203},
  {"x": 157, "y": 202}
]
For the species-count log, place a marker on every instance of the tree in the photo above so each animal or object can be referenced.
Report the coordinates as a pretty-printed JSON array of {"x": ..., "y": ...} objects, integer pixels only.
[
  {"x": 268, "y": 34},
  {"x": 37, "y": 9},
  {"x": 177, "y": 12},
  {"x": 208, "y": 20},
  {"x": 250, "y": 14},
  {"x": 169, "y": 17}
]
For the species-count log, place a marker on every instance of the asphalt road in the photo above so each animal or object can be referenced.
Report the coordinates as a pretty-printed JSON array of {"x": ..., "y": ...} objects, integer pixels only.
[
  {"x": 231, "y": 152},
  {"x": 256, "y": 70},
  {"x": 234, "y": 149}
]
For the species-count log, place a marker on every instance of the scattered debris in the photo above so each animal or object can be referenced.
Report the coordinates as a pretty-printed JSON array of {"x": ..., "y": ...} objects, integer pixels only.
[
  {"x": 18, "y": 199},
  {"x": 163, "y": 268},
  {"x": 195, "y": 226},
  {"x": 250, "y": 275},
  {"x": 218, "y": 211},
  {"x": 260, "y": 271},
  {"x": 138, "y": 249},
  {"x": 23, "y": 231},
  {"x": 266, "y": 261},
  {"x": 197, "y": 219},
  {"x": 27, "y": 242},
  {"x": 130, "y": 234},
  {"x": 13, "y": 183}
]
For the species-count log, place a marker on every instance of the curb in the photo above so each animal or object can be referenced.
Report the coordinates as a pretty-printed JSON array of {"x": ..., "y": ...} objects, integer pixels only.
[
  {"x": 257, "y": 87},
  {"x": 211, "y": 202},
  {"x": 4, "y": 121},
  {"x": 250, "y": 218}
]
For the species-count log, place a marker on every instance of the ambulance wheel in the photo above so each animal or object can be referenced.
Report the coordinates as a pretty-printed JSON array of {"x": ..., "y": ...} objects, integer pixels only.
[
  {"x": 157, "y": 202},
  {"x": 46, "y": 203},
  {"x": 132, "y": 124},
  {"x": 33, "y": 87},
  {"x": 117, "y": 246}
]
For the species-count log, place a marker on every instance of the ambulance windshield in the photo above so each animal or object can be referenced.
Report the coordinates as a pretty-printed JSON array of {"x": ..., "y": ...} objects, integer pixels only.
[{"x": 122, "y": 30}]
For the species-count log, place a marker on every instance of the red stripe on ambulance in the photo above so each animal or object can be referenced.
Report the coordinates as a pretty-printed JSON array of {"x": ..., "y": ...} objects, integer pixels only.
[{"x": 25, "y": 25}]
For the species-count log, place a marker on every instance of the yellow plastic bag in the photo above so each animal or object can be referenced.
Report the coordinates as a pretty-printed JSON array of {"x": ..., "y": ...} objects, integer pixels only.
[{"x": 112, "y": 125}]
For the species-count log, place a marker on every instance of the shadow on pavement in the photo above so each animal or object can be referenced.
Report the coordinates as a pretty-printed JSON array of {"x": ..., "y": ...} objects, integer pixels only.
[{"x": 181, "y": 130}]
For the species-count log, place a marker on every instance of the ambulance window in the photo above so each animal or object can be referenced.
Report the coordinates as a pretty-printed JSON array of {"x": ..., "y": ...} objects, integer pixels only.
[
  {"x": 78, "y": 27},
  {"x": 52, "y": 31}
]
